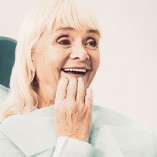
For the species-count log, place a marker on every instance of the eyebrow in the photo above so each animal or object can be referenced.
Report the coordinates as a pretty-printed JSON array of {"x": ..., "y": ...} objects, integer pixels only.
[
  {"x": 65, "y": 28},
  {"x": 95, "y": 31}
]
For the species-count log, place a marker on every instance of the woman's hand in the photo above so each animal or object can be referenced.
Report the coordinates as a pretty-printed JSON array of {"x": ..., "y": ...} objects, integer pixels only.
[{"x": 73, "y": 109}]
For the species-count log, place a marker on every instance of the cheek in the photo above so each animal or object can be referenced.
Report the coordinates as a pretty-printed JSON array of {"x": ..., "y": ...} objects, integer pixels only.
[
  {"x": 57, "y": 55},
  {"x": 95, "y": 58},
  {"x": 50, "y": 61}
]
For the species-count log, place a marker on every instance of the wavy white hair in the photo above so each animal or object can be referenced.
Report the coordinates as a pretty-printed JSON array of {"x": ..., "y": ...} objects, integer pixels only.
[{"x": 23, "y": 97}]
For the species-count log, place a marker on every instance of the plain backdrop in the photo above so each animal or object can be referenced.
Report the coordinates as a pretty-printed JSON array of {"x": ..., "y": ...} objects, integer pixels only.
[{"x": 126, "y": 81}]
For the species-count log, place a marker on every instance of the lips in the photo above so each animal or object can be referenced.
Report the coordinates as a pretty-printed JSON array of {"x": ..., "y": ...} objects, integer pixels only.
[{"x": 75, "y": 70}]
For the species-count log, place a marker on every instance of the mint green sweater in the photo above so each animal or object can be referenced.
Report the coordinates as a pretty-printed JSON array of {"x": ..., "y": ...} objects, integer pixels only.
[{"x": 112, "y": 135}]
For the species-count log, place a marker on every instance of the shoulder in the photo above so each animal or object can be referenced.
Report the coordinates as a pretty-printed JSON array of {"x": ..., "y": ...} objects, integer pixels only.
[
  {"x": 120, "y": 126},
  {"x": 19, "y": 129},
  {"x": 3, "y": 92},
  {"x": 120, "y": 133},
  {"x": 103, "y": 116}
]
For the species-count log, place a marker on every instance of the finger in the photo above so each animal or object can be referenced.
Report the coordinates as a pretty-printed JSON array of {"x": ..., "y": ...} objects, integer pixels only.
[
  {"x": 61, "y": 89},
  {"x": 80, "y": 90},
  {"x": 89, "y": 98},
  {"x": 71, "y": 89}
]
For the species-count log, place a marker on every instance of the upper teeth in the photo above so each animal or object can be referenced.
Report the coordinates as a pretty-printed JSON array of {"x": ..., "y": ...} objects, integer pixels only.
[{"x": 80, "y": 70}]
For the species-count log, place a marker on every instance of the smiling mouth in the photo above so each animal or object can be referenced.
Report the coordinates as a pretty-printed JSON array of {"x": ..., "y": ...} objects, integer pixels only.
[{"x": 76, "y": 71}]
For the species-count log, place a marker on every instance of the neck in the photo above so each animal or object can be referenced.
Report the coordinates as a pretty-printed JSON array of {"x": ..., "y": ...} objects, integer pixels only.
[
  {"x": 46, "y": 96},
  {"x": 42, "y": 103}
]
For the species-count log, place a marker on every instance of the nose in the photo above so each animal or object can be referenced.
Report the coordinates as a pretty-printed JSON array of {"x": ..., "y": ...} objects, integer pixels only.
[{"x": 79, "y": 52}]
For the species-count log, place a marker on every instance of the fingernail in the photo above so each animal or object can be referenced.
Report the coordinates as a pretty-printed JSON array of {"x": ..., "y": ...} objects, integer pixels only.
[
  {"x": 89, "y": 89},
  {"x": 80, "y": 79},
  {"x": 64, "y": 78}
]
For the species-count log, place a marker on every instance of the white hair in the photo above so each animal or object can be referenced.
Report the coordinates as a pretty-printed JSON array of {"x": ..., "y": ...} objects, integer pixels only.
[{"x": 23, "y": 97}]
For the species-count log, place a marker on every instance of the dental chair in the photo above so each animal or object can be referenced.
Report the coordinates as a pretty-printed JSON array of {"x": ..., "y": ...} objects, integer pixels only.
[{"x": 7, "y": 57}]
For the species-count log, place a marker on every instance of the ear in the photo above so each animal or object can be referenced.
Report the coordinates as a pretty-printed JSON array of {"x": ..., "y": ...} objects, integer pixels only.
[
  {"x": 32, "y": 65},
  {"x": 33, "y": 58}
]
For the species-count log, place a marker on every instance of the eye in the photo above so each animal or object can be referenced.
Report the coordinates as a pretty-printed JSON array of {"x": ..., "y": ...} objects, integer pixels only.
[
  {"x": 64, "y": 41},
  {"x": 91, "y": 43}
]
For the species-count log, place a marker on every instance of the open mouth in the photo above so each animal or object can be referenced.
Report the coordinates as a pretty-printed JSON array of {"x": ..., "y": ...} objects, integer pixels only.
[{"x": 76, "y": 71}]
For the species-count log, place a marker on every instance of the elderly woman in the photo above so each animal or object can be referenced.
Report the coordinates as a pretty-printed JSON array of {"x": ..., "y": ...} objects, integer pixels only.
[{"x": 50, "y": 111}]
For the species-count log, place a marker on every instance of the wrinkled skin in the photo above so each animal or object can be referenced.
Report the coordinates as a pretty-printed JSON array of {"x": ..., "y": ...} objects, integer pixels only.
[
  {"x": 66, "y": 47},
  {"x": 73, "y": 109}
]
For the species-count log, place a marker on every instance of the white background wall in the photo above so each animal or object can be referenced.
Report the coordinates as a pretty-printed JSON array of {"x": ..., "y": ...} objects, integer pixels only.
[{"x": 127, "y": 79}]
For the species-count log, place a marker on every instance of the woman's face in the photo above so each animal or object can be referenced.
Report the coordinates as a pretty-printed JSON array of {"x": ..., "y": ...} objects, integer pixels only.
[{"x": 66, "y": 52}]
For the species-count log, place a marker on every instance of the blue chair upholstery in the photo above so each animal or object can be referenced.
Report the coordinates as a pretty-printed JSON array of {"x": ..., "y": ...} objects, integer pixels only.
[{"x": 7, "y": 57}]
